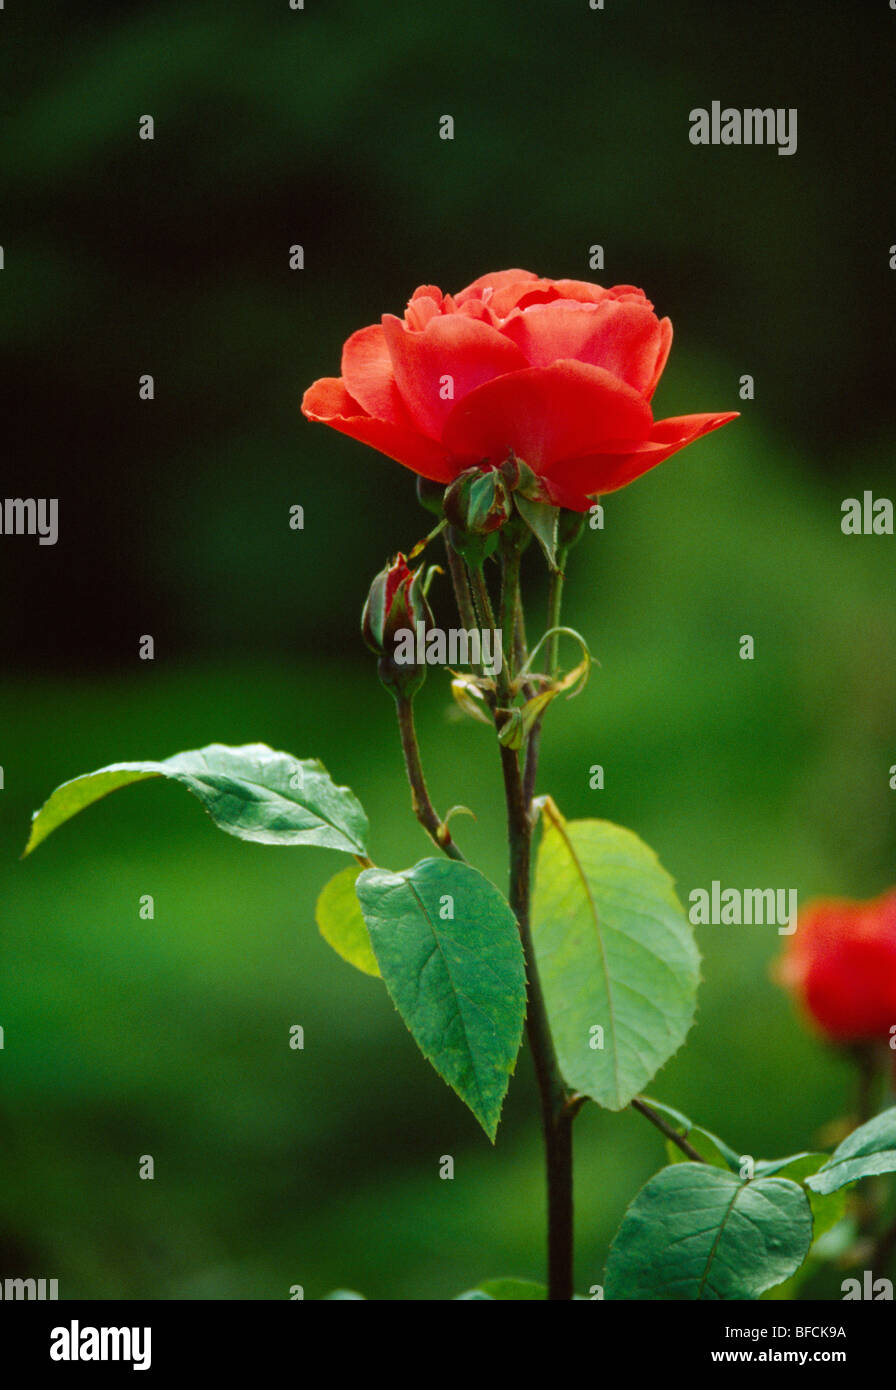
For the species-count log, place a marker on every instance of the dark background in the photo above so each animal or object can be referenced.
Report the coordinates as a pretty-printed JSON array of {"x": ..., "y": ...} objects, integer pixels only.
[{"x": 125, "y": 256}]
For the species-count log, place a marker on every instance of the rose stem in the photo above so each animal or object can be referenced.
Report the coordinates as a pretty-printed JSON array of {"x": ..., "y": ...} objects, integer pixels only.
[
  {"x": 461, "y": 584},
  {"x": 868, "y": 1079},
  {"x": 871, "y": 1064},
  {"x": 646, "y": 1110},
  {"x": 555, "y": 599},
  {"x": 882, "y": 1252},
  {"x": 481, "y": 596},
  {"x": 510, "y": 607},
  {"x": 521, "y": 648},
  {"x": 557, "y": 1115},
  {"x": 423, "y": 807}
]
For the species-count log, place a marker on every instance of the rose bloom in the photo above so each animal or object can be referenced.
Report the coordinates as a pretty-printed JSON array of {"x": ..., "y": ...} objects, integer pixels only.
[
  {"x": 841, "y": 965},
  {"x": 560, "y": 372}
]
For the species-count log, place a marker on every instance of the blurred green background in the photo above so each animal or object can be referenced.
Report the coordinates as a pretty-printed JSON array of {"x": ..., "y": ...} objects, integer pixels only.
[{"x": 320, "y": 127}]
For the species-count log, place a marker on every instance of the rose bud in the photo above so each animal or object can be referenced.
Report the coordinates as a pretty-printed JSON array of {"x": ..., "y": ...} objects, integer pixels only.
[
  {"x": 478, "y": 502},
  {"x": 841, "y": 966},
  {"x": 519, "y": 477},
  {"x": 477, "y": 505},
  {"x": 395, "y": 605}
]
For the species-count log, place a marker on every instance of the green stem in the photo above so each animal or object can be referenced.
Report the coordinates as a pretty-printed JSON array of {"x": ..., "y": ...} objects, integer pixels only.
[
  {"x": 869, "y": 1066},
  {"x": 481, "y": 596},
  {"x": 883, "y": 1250},
  {"x": 461, "y": 583},
  {"x": 655, "y": 1119},
  {"x": 510, "y": 606},
  {"x": 555, "y": 602},
  {"x": 423, "y": 807},
  {"x": 556, "y": 1112},
  {"x": 487, "y": 620},
  {"x": 521, "y": 647},
  {"x": 873, "y": 1063}
]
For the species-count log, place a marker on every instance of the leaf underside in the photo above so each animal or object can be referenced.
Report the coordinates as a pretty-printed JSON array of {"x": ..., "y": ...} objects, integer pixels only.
[
  {"x": 341, "y": 922},
  {"x": 251, "y": 792},
  {"x": 868, "y": 1151}
]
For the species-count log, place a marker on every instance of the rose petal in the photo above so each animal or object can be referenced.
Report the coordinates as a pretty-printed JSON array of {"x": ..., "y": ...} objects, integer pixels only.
[
  {"x": 623, "y": 338},
  {"x": 662, "y": 356},
  {"x": 328, "y": 402},
  {"x": 587, "y": 293},
  {"x": 523, "y": 296},
  {"x": 427, "y": 292},
  {"x": 369, "y": 378},
  {"x": 547, "y": 414},
  {"x": 424, "y": 304},
  {"x": 478, "y": 309},
  {"x": 494, "y": 281},
  {"x": 572, "y": 481},
  {"x": 455, "y": 346},
  {"x": 419, "y": 312}
]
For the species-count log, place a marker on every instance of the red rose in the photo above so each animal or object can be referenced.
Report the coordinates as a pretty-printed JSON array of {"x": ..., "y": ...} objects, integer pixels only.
[
  {"x": 561, "y": 372},
  {"x": 841, "y": 965}
]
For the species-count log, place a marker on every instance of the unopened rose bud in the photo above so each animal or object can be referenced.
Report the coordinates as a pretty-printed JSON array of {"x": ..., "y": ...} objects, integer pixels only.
[
  {"x": 477, "y": 505},
  {"x": 519, "y": 477},
  {"x": 513, "y": 471},
  {"x": 395, "y": 605},
  {"x": 478, "y": 501}
]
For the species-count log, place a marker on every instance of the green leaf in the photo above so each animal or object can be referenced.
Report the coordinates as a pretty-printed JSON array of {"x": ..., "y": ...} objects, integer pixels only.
[
  {"x": 615, "y": 951},
  {"x": 449, "y": 951},
  {"x": 251, "y": 792},
  {"x": 344, "y": 1296},
  {"x": 795, "y": 1166},
  {"x": 827, "y": 1208},
  {"x": 503, "y": 1290},
  {"x": 541, "y": 519},
  {"x": 869, "y": 1150},
  {"x": 832, "y": 1237},
  {"x": 696, "y": 1232},
  {"x": 341, "y": 922}
]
